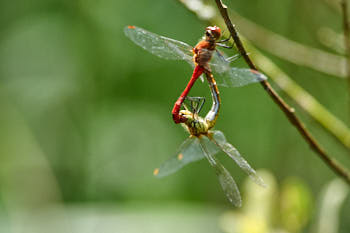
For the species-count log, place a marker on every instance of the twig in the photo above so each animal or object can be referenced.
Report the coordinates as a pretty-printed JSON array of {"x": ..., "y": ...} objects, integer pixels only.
[
  {"x": 346, "y": 30},
  {"x": 304, "y": 99},
  {"x": 290, "y": 50},
  {"x": 289, "y": 112}
]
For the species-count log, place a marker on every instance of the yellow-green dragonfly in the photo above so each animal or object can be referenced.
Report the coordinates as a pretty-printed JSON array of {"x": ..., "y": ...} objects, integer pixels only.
[{"x": 204, "y": 142}]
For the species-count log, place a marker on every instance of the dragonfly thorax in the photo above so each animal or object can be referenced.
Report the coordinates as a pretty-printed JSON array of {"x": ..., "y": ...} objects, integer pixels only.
[
  {"x": 204, "y": 54},
  {"x": 195, "y": 124}
]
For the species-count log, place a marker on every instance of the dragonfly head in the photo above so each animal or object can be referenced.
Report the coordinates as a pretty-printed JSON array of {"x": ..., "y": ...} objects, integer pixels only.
[{"x": 212, "y": 33}]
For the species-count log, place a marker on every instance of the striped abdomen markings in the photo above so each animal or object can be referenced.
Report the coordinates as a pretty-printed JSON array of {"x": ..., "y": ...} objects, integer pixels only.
[{"x": 213, "y": 114}]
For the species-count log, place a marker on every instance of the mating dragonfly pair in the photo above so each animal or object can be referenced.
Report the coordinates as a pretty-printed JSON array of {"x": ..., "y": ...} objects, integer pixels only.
[{"x": 202, "y": 142}]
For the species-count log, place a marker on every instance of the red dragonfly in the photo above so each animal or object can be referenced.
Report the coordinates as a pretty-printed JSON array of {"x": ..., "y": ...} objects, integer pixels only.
[{"x": 204, "y": 57}]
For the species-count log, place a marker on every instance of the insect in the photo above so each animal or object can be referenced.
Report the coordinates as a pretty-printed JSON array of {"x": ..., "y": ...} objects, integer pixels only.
[
  {"x": 204, "y": 57},
  {"x": 206, "y": 143}
]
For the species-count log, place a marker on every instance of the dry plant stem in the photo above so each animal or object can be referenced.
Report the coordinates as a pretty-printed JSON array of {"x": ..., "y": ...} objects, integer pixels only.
[
  {"x": 307, "y": 102},
  {"x": 346, "y": 29},
  {"x": 333, "y": 164},
  {"x": 289, "y": 50}
]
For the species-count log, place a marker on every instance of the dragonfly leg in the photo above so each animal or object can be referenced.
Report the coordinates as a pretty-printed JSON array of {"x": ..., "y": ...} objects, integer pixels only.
[
  {"x": 228, "y": 59},
  {"x": 224, "y": 46},
  {"x": 233, "y": 58},
  {"x": 224, "y": 40},
  {"x": 196, "y": 103}
]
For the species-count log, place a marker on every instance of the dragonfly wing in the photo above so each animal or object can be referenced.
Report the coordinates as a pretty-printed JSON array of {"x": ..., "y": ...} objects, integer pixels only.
[
  {"x": 220, "y": 140},
  {"x": 228, "y": 76},
  {"x": 159, "y": 45},
  {"x": 188, "y": 152},
  {"x": 227, "y": 183}
]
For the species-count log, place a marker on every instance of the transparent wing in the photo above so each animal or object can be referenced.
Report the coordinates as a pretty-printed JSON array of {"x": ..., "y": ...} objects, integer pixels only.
[
  {"x": 159, "y": 45},
  {"x": 188, "y": 152},
  {"x": 227, "y": 182},
  {"x": 219, "y": 139},
  {"x": 228, "y": 76}
]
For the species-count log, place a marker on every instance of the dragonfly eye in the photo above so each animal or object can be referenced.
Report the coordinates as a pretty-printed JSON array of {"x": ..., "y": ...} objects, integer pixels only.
[{"x": 214, "y": 31}]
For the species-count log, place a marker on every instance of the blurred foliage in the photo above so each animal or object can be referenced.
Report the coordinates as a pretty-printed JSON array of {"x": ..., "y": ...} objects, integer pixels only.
[
  {"x": 295, "y": 205},
  {"x": 286, "y": 208},
  {"x": 85, "y": 115}
]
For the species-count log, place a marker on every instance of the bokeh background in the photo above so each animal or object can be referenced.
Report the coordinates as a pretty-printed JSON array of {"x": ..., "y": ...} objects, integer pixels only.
[{"x": 85, "y": 118}]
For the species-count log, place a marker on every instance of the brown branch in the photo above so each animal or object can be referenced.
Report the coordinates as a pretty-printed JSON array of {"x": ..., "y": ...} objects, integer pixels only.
[
  {"x": 346, "y": 30},
  {"x": 292, "y": 51},
  {"x": 288, "y": 111}
]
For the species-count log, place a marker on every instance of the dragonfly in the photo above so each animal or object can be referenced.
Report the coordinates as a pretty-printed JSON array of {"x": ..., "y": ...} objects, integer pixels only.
[
  {"x": 204, "y": 57},
  {"x": 204, "y": 142}
]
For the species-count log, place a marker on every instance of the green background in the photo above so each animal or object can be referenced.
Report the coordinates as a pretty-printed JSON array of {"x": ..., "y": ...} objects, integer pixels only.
[{"x": 86, "y": 117}]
